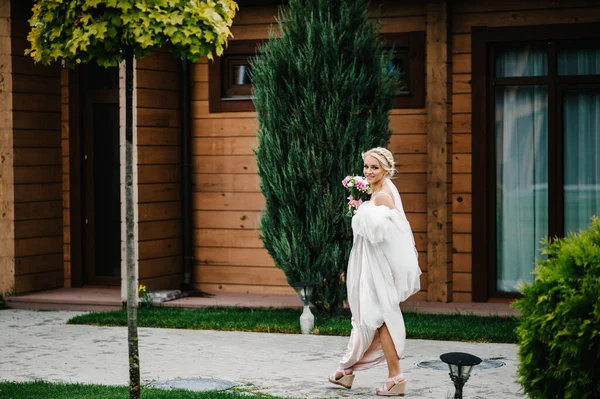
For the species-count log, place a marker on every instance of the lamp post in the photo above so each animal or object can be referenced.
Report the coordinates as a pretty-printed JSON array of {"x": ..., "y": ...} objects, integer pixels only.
[
  {"x": 304, "y": 290},
  {"x": 460, "y": 365}
]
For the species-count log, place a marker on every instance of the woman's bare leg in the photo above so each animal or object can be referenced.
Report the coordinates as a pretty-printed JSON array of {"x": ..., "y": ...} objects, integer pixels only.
[{"x": 389, "y": 350}]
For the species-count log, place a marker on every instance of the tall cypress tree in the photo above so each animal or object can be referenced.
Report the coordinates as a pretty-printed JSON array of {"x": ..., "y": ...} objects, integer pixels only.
[{"x": 323, "y": 92}]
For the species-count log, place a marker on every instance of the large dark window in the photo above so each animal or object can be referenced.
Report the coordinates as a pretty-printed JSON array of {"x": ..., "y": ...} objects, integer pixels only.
[{"x": 536, "y": 146}]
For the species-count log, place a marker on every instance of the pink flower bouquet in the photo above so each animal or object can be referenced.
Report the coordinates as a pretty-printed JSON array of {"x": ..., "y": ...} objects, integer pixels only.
[{"x": 359, "y": 191}]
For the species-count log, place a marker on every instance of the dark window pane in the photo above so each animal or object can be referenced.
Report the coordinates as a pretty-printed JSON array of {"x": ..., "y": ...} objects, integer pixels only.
[
  {"x": 582, "y": 164},
  {"x": 401, "y": 63},
  {"x": 521, "y": 60},
  {"x": 579, "y": 58},
  {"x": 236, "y": 77}
]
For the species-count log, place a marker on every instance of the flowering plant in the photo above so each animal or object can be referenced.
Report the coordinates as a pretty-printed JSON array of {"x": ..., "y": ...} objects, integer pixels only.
[
  {"x": 146, "y": 301},
  {"x": 359, "y": 190}
]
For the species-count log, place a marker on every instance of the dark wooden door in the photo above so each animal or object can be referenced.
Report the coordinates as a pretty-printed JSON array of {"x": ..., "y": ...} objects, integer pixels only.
[{"x": 100, "y": 162}]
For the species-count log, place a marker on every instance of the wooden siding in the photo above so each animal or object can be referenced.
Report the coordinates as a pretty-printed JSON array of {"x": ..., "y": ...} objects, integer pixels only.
[
  {"x": 37, "y": 165},
  {"x": 438, "y": 130},
  {"x": 228, "y": 254},
  {"x": 493, "y": 13},
  {"x": 159, "y": 171},
  {"x": 7, "y": 227}
]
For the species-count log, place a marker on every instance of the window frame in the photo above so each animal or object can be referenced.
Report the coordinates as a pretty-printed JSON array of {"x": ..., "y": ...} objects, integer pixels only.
[
  {"x": 484, "y": 39},
  {"x": 415, "y": 42},
  {"x": 216, "y": 103}
]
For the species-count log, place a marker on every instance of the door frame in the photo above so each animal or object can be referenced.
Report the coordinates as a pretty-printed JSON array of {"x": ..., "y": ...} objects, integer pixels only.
[
  {"x": 75, "y": 209},
  {"x": 82, "y": 242},
  {"x": 89, "y": 186}
]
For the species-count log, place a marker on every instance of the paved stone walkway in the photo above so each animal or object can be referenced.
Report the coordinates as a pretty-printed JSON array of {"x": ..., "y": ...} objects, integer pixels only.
[{"x": 39, "y": 345}]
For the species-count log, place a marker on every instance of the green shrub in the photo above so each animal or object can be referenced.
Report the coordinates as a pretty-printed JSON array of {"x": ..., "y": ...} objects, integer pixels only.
[
  {"x": 559, "y": 326},
  {"x": 323, "y": 92}
]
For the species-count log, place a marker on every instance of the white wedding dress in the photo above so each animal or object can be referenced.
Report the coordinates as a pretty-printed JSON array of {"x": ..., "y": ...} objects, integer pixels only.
[{"x": 383, "y": 270}]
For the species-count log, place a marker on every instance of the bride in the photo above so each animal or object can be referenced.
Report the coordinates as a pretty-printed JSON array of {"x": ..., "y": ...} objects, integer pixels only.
[{"x": 383, "y": 271}]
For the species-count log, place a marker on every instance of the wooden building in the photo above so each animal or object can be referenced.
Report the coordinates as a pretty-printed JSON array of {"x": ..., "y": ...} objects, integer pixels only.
[{"x": 496, "y": 138}]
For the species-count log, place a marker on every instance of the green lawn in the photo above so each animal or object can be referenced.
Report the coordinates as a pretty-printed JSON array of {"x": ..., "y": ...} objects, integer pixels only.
[
  {"x": 418, "y": 325},
  {"x": 44, "y": 390}
]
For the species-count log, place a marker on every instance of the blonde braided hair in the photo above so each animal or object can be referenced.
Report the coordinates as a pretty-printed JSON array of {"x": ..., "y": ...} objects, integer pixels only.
[{"x": 385, "y": 158}]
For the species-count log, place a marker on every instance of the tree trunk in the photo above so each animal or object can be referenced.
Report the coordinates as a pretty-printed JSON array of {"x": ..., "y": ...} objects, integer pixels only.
[{"x": 132, "y": 333}]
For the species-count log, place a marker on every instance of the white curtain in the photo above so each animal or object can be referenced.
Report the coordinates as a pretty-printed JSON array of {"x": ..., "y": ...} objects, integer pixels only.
[
  {"x": 521, "y": 135},
  {"x": 582, "y": 153},
  {"x": 521, "y": 181}
]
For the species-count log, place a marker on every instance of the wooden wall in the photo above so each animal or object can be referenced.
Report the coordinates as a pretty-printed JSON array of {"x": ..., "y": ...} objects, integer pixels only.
[
  {"x": 228, "y": 253},
  {"x": 409, "y": 138},
  {"x": 226, "y": 199},
  {"x": 466, "y": 14},
  {"x": 37, "y": 164},
  {"x": 159, "y": 171}
]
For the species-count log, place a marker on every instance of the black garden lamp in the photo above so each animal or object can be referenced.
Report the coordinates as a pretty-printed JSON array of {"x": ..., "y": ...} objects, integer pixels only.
[
  {"x": 305, "y": 290},
  {"x": 460, "y": 365}
]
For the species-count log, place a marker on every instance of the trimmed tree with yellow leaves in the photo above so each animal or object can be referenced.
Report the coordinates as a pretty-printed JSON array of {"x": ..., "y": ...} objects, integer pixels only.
[{"x": 108, "y": 32}]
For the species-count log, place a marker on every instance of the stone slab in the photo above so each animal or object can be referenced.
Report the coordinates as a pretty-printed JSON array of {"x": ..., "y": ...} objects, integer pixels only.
[{"x": 40, "y": 345}]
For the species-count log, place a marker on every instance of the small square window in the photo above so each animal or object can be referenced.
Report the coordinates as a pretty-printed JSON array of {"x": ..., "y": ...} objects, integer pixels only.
[
  {"x": 237, "y": 84},
  {"x": 409, "y": 58},
  {"x": 230, "y": 85}
]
